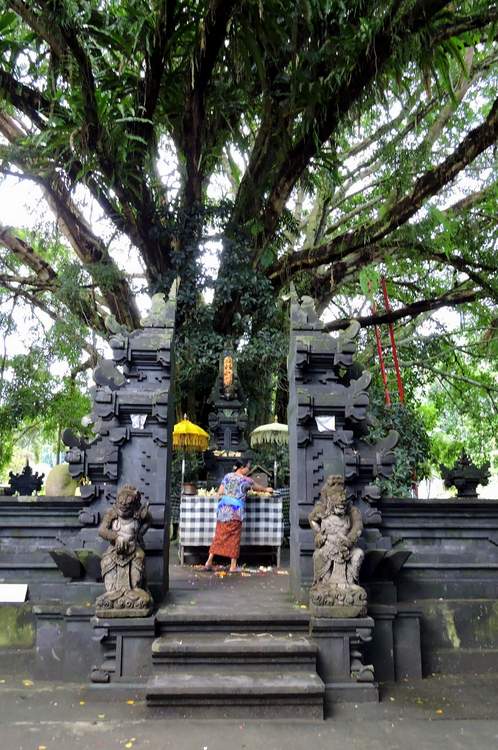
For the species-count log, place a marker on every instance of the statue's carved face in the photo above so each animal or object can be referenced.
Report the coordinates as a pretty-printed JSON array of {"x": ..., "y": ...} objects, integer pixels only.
[
  {"x": 340, "y": 504},
  {"x": 127, "y": 501},
  {"x": 334, "y": 495}
]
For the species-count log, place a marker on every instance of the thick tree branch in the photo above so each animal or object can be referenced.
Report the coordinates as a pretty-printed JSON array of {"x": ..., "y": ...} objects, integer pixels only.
[
  {"x": 27, "y": 100},
  {"x": 33, "y": 283},
  {"x": 462, "y": 24},
  {"x": 452, "y": 298},
  {"x": 44, "y": 271},
  {"x": 341, "y": 250},
  {"x": 89, "y": 248},
  {"x": 210, "y": 41},
  {"x": 84, "y": 309},
  {"x": 155, "y": 60},
  {"x": 378, "y": 51},
  {"x": 36, "y": 22}
]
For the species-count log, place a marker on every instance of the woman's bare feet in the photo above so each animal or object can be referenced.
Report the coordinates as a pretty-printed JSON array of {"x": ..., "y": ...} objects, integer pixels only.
[{"x": 209, "y": 563}]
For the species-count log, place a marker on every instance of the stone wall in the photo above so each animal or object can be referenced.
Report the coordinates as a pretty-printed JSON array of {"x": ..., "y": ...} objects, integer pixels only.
[{"x": 451, "y": 577}]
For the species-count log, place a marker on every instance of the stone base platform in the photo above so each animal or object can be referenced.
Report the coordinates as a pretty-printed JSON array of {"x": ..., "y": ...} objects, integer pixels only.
[
  {"x": 235, "y": 647},
  {"x": 246, "y": 629}
]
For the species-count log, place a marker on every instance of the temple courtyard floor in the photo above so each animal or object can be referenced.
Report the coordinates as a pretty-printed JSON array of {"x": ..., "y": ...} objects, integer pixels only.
[
  {"x": 441, "y": 711},
  {"x": 437, "y": 712}
]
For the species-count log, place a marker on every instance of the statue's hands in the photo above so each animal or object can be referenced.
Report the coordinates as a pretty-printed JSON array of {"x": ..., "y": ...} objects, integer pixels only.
[
  {"x": 120, "y": 544},
  {"x": 125, "y": 546},
  {"x": 344, "y": 548},
  {"x": 320, "y": 539}
]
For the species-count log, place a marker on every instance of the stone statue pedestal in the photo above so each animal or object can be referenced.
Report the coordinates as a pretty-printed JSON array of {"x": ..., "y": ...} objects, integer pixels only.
[
  {"x": 126, "y": 603},
  {"x": 349, "y": 600},
  {"x": 340, "y": 643}
]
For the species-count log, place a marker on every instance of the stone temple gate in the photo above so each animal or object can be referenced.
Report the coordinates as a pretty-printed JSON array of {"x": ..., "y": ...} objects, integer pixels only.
[
  {"x": 133, "y": 415},
  {"x": 195, "y": 655},
  {"x": 328, "y": 428}
]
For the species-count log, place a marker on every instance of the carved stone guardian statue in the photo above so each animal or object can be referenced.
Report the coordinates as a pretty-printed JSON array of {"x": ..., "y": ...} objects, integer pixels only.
[
  {"x": 123, "y": 563},
  {"x": 337, "y": 526}
]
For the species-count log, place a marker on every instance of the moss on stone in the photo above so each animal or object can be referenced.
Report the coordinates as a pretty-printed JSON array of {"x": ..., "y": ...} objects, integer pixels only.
[
  {"x": 449, "y": 620},
  {"x": 486, "y": 628},
  {"x": 59, "y": 482},
  {"x": 17, "y": 627},
  {"x": 84, "y": 554}
]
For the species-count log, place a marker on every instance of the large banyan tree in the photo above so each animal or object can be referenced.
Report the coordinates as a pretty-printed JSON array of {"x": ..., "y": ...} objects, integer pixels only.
[{"x": 242, "y": 146}]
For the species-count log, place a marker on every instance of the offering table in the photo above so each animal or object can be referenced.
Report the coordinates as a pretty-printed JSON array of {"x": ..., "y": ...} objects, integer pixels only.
[{"x": 262, "y": 527}]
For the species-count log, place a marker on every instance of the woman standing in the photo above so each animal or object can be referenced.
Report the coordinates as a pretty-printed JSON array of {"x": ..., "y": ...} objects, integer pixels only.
[{"x": 232, "y": 492}]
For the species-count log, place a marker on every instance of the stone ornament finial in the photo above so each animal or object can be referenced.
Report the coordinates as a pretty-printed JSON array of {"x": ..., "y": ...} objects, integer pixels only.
[
  {"x": 337, "y": 526},
  {"x": 123, "y": 563}
]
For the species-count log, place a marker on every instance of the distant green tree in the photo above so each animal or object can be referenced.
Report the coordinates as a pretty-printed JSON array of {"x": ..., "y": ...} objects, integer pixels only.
[{"x": 33, "y": 402}]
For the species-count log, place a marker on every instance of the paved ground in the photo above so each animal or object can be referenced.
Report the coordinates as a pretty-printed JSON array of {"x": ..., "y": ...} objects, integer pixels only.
[
  {"x": 452, "y": 712},
  {"x": 257, "y": 589},
  {"x": 460, "y": 713}
]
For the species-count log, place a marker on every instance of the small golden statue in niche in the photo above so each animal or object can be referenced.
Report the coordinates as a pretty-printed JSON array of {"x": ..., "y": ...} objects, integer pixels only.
[
  {"x": 227, "y": 370},
  {"x": 228, "y": 377}
]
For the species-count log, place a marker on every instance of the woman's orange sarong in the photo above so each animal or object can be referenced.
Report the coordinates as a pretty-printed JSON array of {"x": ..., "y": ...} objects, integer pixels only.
[{"x": 226, "y": 541}]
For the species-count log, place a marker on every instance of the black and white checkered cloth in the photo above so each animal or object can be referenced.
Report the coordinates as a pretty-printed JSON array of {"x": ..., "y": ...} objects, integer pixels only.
[{"x": 263, "y": 521}]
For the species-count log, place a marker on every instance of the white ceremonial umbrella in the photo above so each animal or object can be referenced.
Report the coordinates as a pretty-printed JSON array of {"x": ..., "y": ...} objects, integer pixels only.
[{"x": 274, "y": 432}]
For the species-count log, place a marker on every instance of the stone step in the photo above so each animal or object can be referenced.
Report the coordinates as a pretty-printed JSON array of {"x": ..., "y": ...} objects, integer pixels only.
[
  {"x": 183, "y": 619},
  {"x": 253, "y": 650},
  {"x": 266, "y": 694}
]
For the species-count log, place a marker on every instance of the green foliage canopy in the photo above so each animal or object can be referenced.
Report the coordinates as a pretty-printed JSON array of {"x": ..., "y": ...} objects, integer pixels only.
[{"x": 316, "y": 143}]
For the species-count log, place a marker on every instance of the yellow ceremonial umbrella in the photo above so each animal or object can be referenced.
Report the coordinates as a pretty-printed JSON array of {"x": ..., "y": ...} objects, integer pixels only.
[
  {"x": 274, "y": 432},
  {"x": 189, "y": 437}
]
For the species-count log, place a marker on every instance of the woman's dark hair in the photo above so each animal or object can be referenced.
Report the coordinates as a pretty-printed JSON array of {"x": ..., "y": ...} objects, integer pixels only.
[{"x": 241, "y": 463}]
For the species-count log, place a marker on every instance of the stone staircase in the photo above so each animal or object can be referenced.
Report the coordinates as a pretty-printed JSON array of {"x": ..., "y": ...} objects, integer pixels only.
[{"x": 228, "y": 668}]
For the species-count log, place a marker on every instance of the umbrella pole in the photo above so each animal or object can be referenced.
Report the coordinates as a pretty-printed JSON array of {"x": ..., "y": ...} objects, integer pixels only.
[
  {"x": 183, "y": 474},
  {"x": 275, "y": 465}
]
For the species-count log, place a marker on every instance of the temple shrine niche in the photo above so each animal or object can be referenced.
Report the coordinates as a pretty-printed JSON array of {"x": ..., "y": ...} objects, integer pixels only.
[{"x": 228, "y": 418}]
